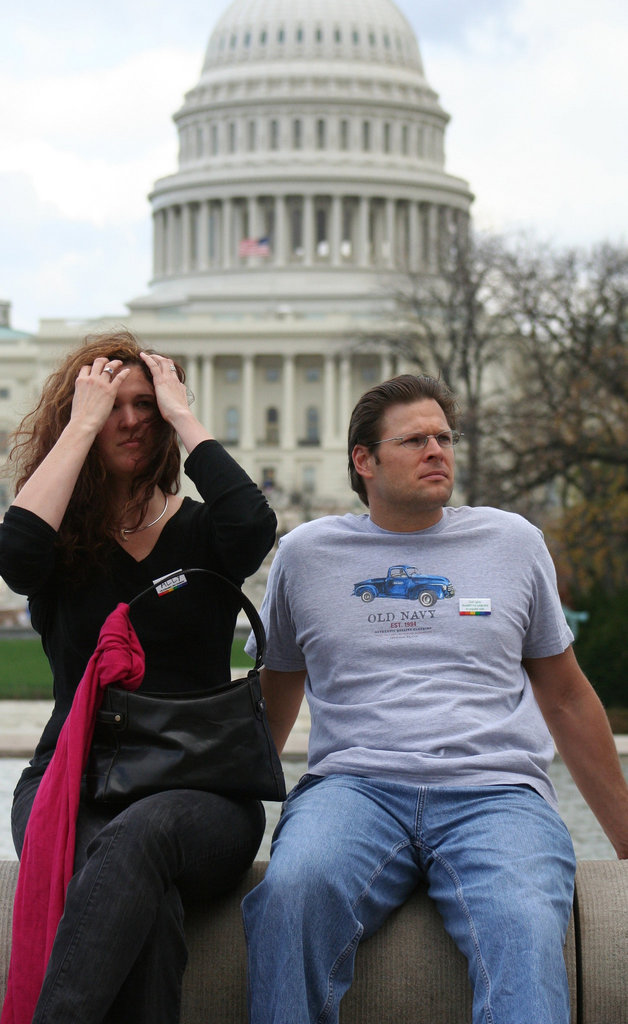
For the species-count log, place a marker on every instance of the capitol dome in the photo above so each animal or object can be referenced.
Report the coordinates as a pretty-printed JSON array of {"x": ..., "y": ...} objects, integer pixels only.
[
  {"x": 311, "y": 164},
  {"x": 371, "y": 31},
  {"x": 311, "y": 180}
]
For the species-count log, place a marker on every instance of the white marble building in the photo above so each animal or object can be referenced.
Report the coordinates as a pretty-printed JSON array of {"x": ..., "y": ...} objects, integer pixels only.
[{"x": 311, "y": 174}]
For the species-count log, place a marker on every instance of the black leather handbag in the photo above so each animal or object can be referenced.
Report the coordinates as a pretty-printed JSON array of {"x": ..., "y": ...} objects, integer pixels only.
[{"x": 219, "y": 741}]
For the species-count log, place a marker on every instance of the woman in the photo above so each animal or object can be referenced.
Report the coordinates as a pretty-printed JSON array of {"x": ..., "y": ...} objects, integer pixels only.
[{"x": 96, "y": 519}]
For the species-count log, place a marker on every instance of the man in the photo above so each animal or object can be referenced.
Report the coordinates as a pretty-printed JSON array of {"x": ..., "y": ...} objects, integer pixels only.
[{"x": 432, "y": 645}]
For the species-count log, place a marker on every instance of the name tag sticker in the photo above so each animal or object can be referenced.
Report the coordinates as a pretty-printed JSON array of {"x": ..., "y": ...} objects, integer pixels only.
[
  {"x": 166, "y": 584},
  {"x": 475, "y": 606}
]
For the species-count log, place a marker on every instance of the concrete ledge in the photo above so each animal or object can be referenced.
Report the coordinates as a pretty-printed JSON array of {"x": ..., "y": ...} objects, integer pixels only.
[
  {"x": 22, "y": 723},
  {"x": 410, "y": 972}
]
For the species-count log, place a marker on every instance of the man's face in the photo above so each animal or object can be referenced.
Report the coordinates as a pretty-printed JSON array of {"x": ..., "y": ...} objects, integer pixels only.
[{"x": 404, "y": 484}]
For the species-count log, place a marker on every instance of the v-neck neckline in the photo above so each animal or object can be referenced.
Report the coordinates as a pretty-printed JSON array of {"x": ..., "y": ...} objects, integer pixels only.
[{"x": 123, "y": 545}]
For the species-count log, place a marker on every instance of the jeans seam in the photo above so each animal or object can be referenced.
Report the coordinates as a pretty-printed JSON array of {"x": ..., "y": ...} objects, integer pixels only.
[
  {"x": 348, "y": 949},
  {"x": 458, "y": 889},
  {"x": 339, "y": 961}
]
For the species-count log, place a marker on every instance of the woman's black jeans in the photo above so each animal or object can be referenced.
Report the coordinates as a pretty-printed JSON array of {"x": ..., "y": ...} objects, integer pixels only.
[{"x": 119, "y": 953}]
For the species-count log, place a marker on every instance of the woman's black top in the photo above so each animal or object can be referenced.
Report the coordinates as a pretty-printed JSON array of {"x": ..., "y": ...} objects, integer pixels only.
[{"x": 187, "y": 634}]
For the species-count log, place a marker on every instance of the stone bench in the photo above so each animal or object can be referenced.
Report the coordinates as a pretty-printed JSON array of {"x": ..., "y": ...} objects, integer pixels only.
[{"x": 410, "y": 972}]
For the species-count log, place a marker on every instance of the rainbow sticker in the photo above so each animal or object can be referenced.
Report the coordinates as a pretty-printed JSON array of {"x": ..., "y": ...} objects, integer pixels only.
[
  {"x": 474, "y": 606},
  {"x": 166, "y": 584}
]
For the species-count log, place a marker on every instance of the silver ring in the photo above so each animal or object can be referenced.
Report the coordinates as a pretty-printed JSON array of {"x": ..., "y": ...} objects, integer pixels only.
[
  {"x": 108, "y": 369},
  {"x": 173, "y": 369}
]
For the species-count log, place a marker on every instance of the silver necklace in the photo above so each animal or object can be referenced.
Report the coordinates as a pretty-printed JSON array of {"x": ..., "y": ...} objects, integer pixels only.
[{"x": 138, "y": 529}]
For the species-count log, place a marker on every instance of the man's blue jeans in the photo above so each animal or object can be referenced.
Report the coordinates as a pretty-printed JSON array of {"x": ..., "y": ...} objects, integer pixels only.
[{"x": 498, "y": 862}]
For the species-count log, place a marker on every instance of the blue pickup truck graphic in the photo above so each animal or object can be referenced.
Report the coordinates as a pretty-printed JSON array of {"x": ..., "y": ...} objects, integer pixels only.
[{"x": 405, "y": 581}]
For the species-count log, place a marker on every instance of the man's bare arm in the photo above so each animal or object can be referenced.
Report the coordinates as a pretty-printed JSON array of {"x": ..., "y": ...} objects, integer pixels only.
[
  {"x": 283, "y": 693},
  {"x": 578, "y": 723}
]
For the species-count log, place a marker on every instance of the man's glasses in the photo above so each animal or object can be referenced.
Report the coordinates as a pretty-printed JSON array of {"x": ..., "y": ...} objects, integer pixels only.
[{"x": 446, "y": 439}]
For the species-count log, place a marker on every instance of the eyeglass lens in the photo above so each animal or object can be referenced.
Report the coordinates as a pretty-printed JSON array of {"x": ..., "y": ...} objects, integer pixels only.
[{"x": 445, "y": 439}]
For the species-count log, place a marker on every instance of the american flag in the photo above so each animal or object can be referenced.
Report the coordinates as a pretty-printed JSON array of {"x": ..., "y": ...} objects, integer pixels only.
[{"x": 254, "y": 247}]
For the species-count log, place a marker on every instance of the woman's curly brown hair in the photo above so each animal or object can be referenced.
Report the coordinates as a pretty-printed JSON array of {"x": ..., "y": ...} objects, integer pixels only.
[{"x": 91, "y": 521}]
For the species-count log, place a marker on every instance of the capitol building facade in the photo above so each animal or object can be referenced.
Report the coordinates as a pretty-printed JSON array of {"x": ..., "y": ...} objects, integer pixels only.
[{"x": 311, "y": 178}]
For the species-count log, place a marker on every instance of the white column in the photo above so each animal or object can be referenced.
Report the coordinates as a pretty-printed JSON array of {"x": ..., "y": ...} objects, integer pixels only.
[
  {"x": 308, "y": 230},
  {"x": 192, "y": 379},
  {"x": 344, "y": 404},
  {"x": 414, "y": 240},
  {"x": 251, "y": 217},
  {"x": 158, "y": 243},
  {"x": 432, "y": 236},
  {"x": 206, "y": 397},
  {"x": 389, "y": 253},
  {"x": 329, "y": 401},
  {"x": 335, "y": 230},
  {"x": 365, "y": 258},
  {"x": 247, "y": 439},
  {"x": 186, "y": 233},
  {"x": 227, "y": 234},
  {"x": 203, "y": 235},
  {"x": 287, "y": 410},
  {"x": 280, "y": 232},
  {"x": 170, "y": 240},
  {"x": 386, "y": 367}
]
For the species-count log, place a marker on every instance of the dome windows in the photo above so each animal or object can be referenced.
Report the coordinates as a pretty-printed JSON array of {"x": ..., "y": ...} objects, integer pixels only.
[
  {"x": 386, "y": 136},
  {"x": 252, "y": 136},
  {"x": 281, "y": 37},
  {"x": 273, "y": 134}
]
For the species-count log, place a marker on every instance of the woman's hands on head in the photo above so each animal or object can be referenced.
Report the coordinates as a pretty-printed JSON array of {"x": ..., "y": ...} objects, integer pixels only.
[
  {"x": 95, "y": 392},
  {"x": 172, "y": 400},
  {"x": 170, "y": 392}
]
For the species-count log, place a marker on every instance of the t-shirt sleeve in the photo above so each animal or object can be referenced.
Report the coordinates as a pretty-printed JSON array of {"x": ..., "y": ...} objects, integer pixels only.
[
  {"x": 548, "y": 632},
  {"x": 283, "y": 653}
]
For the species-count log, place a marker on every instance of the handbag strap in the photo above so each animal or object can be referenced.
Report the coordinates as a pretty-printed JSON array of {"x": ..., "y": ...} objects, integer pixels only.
[{"x": 167, "y": 584}]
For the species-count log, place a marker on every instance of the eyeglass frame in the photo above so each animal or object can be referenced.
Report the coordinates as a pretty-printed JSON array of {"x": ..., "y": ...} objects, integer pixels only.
[{"x": 455, "y": 438}]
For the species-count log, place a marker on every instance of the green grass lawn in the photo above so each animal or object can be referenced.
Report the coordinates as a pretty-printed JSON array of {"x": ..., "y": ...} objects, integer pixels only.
[{"x": 25, "y": 673}]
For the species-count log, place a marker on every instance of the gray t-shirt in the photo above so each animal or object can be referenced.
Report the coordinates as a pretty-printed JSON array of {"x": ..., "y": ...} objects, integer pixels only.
[{"x": 413, "y": 645}]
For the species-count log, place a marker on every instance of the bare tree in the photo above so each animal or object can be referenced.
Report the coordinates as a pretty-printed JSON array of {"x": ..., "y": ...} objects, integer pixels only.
[
  {"x": 454, "y": 324},
  {"x": 535, "y": 343},
  {"x": 565, "y": 425}
]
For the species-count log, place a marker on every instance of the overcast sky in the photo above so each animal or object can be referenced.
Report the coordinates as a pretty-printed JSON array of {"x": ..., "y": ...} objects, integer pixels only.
[{"x": 537, "y": 91}]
